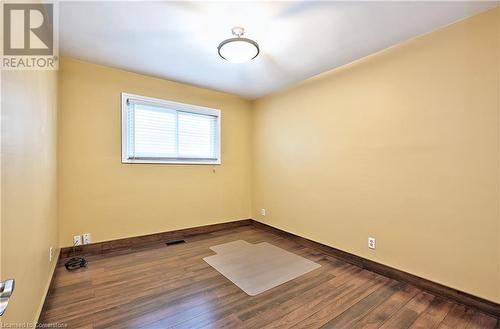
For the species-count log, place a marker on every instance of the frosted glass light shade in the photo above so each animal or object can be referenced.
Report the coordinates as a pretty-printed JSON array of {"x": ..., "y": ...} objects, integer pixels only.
[{"x": 238, "y": 50}]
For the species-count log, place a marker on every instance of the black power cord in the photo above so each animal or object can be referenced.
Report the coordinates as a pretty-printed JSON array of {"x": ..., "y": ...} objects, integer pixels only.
[{"x": 75, "y": 262}]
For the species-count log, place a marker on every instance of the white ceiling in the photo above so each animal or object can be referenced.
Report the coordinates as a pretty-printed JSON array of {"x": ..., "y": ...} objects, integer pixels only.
[{"x": 178, "y": 40}]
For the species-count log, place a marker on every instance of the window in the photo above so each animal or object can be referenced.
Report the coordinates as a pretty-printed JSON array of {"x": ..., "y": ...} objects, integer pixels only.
[{"x": 159, "y": 131}]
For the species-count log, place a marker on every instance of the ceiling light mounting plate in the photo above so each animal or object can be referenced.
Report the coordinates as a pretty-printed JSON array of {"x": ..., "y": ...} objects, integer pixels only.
[{"x": 238, "y": 31}]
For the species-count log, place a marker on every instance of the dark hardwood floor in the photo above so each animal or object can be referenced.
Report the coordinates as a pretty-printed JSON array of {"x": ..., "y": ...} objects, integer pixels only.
[{"x": 161, "y": 286}]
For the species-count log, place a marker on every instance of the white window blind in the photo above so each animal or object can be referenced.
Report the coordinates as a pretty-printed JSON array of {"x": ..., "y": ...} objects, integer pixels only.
[{"x": 159, "y": 131}]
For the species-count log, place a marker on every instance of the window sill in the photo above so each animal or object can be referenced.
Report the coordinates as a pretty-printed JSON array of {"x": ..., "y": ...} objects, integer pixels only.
[{"x": 171, "y": 162}]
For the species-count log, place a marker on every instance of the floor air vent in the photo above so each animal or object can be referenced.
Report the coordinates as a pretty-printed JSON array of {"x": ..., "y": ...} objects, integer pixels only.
[{"x": 169, "y": 243}]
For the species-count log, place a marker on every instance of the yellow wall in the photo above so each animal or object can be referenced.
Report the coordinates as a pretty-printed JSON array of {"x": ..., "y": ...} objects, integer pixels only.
[
  {"x": 402, "y": 146},
  {"x": 100, "y": 195},
  {"x": 29, "y": 189}
]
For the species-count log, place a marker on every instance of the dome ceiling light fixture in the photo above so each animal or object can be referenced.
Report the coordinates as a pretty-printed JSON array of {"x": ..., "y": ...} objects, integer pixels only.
[{"x": 238, "y": 49}]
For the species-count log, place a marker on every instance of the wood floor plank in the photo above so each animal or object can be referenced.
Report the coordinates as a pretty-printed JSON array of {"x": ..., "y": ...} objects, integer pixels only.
[
  {"x": 356, "y": 312},
  {"x": 159, "y": 286},
  {"x": 433, "y": 315},
  {"x": 337, "y": 306},
  {"x": 481, "y": 321},
  {"x": 407, "y": 315},
  {"x": 384, "y": 311},
  {"x": 458, "y": 318}
]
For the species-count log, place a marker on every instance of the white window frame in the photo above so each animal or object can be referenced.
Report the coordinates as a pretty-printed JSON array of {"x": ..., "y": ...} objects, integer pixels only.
[{"x": 176, "y": 106}]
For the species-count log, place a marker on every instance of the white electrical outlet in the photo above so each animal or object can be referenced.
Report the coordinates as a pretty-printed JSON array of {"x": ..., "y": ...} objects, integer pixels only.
[
  {"x": 263, "y": 212},
  {"x": 371, "y": 243},
  {"x": 50, "y": 254},
  {"x": 87, "y": 238},
  {"x": 77, "y": 240}
]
